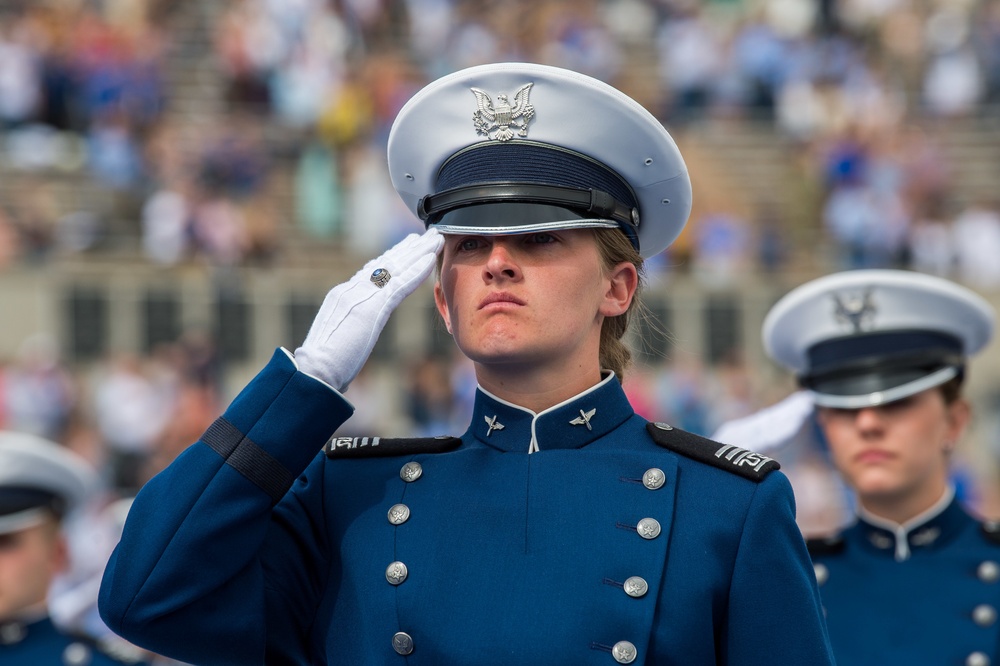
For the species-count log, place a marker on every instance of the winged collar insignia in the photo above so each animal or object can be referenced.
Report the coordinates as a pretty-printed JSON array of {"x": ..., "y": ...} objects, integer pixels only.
[{"x": 584, "y": 418}]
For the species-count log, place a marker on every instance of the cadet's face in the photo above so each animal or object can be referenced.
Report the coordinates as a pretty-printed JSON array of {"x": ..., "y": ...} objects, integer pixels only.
[
  {"x": 526, "y": 299},
  {"x": 896, "y": 452},
  {"x": 29, "y": 559}
]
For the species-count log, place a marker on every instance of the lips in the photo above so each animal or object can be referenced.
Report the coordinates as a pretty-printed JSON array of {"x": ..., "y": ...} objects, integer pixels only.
[
  {"x": 873, "y": 456},
  {"x": 499, "y": 299}
]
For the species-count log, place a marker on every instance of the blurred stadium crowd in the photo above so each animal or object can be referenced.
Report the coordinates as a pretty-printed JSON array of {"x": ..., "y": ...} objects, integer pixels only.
[{"x": 235, "y": 135}]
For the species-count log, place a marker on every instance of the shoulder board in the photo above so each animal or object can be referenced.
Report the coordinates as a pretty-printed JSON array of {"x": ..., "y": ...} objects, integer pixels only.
[
  {"x": 991, "y": 530},
  {"x": 747, "y": 464},
  {"x": 827, "y": 545},
  {"x": 384, "y": 447}
]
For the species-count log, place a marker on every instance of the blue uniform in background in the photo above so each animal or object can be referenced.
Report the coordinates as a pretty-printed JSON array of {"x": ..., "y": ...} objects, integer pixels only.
[
  {"x": 925, "y": 595},
  {"x": 40, "y": 643},
  {"x": 601, "y": 547}
]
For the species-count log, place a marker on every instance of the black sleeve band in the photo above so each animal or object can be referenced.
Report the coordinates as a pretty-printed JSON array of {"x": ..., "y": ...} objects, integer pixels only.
[{"x": 249, "y": 459}]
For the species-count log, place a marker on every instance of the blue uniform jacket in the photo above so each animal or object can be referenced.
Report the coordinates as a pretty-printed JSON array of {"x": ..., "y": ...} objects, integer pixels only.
[
  {"x": 40, "y": 643},
  {"x": 927, "y": 595},
  {"x": 602, "y": 547}
]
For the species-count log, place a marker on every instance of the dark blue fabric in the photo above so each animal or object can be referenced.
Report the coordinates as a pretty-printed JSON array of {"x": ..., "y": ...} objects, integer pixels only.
[
  {"x": 513, "y": 558},
  {"x": 526, "y": 162},
  {"x": 882, "y": 612},
  {"x": 888, "y": 344}
]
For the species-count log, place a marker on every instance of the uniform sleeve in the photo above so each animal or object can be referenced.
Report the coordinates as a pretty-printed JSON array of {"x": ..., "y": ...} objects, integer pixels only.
[
  {"x": 775, "y": 615},
  {"x": 189, "y": 578}
]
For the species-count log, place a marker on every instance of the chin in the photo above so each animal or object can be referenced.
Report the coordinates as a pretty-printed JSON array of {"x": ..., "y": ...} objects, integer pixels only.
[{"x": 877, "y": 487}]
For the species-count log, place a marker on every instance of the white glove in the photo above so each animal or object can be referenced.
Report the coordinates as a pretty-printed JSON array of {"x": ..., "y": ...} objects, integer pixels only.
[{"x": 354, "y": 313}]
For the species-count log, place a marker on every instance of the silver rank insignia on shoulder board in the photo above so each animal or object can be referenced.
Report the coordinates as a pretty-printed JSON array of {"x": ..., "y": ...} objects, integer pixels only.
[
  {"x": 738, "y": 457},
  {"x": 742, "y": 462},
  {"x": 383, "y": 447},
  {"x": 352, "y": 442}
]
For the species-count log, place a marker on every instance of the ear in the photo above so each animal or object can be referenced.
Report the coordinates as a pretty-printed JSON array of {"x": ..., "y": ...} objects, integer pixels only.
[
  {"x": 958, "y": 415},
  {"x": 62, "y": 554},
  {"x": 442, "y": 306},
  {"x": 623, "y": 280}
]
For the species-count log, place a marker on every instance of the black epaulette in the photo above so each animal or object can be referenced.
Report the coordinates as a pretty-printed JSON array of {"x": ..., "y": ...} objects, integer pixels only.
[
  {"x": 747, "y": 464},
  {"x": 991, "y": 530},
  {"x": 825, "y": 545},
  {"x": 384, "y": 447}
]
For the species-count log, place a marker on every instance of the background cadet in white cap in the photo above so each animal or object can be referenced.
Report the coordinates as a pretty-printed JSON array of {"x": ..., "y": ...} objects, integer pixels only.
[
  {"x": 916, "y": 579},
  {"x": 40, "y": 483},
  {"x": 561, "y": 528}
]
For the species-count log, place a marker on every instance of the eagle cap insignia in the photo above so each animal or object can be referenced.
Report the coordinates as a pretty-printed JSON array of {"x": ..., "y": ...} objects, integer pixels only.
[
  {"x": 498, "y": 120},
  {"x": 857, "y": 310}
]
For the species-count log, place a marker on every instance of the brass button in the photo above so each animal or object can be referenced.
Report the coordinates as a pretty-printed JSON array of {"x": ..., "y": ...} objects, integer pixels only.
[
  {"x": 977, "y": 659},
  {"x": 399, "y": 514},
  {"x": 654, "y": 478},
  {"x": 396, "y": 573},
  {"x": 402, "y": 643},
  {"x": 623, "y": 652},
  {"x": 648, "y": 528},
  {"x": 636, "y": 587},
  {"x": 984, "y": 615},
  {"x": 988, "y": 571},
  {"x": 411, "y": 472}
]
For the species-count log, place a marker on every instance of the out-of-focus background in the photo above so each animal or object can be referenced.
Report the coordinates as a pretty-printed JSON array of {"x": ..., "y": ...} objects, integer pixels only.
[{"x": 182, "y": 181}]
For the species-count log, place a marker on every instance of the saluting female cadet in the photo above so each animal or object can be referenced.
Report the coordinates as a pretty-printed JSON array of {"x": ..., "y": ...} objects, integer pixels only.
[
  {"x": 560, "y": 528},
  {"x": 916, "y": 579}
]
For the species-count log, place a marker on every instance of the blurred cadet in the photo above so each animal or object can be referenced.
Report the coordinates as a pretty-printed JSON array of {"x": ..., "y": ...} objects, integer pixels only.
[
  {"x": 915, "y": 579},
  {"x": 561, "y": 527},
  {"x": 40, "y": 484}
]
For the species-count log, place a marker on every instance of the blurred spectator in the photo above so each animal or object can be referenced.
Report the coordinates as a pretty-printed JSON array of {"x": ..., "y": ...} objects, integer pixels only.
[
  {"x": 977, "y": 245},
  {"x": 219, "y": 231},
  {"x": 931, "y": 243},
  {"x": 689, "y": 62},
  {"x": 952, "y": 80},
  {"x": 723, "y": 247},
  {"x": 429, "y": 398},
  {"x": 39, "y": 392},
  {"x": 166, "y": 220},
  {"x": 20, "y": 76},
  {"x": 132, "y": 407},
  {"x": 318, "y": 199}
]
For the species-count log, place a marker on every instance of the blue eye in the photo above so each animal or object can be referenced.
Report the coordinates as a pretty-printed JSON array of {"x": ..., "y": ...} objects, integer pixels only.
[
  {"x": 468, "y": 244},
  {"x": 541, "y": 238}
]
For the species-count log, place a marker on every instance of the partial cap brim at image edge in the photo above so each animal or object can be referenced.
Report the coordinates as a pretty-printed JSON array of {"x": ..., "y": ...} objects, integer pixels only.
[
  {"x": 869, "y": 337},
  {"x": 514, "y": 148},
  {"x": 39, "y": 479}
]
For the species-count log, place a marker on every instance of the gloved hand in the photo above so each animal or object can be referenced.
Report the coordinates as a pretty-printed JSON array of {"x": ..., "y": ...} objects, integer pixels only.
[{"x": 354, "y": 313}]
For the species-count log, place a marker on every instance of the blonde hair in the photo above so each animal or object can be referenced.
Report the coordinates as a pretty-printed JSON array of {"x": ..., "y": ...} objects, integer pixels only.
[{"x": 614, "y": 248}]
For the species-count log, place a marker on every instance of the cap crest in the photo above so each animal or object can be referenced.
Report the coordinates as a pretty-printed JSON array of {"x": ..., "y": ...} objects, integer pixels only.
[
  {"x": 856, "y": 310},
  {"x": 501, "y": 116}
]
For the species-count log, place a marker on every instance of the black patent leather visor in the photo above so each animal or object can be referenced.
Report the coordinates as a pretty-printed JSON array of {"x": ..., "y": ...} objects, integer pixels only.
[{"x": 516, "y": 218}]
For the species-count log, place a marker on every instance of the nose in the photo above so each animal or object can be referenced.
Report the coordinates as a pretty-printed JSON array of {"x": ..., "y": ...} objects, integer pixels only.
[
  {"x": 500, "y": 264},
  {"x": 869, "y": 420}
]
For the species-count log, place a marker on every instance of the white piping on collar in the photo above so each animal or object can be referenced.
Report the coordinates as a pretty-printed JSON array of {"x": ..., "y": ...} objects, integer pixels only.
[
  {"x": 533, "y": 444},
  {"x": 902, "y": 531}
]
